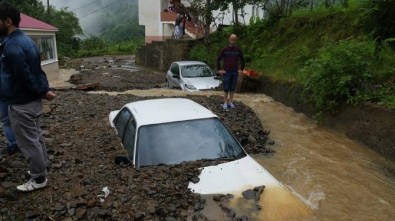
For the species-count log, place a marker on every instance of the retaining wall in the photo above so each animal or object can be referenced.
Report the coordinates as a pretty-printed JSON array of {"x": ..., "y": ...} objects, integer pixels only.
[{"x": 160, "y": 54}]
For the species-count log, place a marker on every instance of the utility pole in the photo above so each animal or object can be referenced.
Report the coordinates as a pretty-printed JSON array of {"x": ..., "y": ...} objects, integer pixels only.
[{"x": 48, "y": 14}]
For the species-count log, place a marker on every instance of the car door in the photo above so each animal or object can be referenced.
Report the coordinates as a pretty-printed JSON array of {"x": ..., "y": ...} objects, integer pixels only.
[
  {"x": 126, "y": 129},
  {"x": 121, "y": 121},
  {"x": 129, "y": 137},
  {"x": 175, "y": 75}
]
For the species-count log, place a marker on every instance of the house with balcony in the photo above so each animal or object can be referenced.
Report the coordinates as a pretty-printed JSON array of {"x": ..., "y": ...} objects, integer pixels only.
[
  {"x": 158, "y": 18},
  {"x": 44, "y": 35}
]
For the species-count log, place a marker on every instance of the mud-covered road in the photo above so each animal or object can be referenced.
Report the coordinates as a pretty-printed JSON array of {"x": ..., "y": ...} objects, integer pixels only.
[{"x": 82, "y": 146}]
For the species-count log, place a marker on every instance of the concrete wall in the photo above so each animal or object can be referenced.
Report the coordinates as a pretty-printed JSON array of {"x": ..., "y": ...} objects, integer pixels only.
[
  {"x": 168, "y": 30},
  {"x": 149, "y": 17}
]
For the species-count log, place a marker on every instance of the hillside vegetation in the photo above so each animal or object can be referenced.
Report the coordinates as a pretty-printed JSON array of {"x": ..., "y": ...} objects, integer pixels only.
[{"x": 338, "y": 55}]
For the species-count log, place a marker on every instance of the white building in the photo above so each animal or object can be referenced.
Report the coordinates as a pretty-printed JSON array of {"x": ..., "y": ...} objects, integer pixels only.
[{"x": 159, "y": 20}]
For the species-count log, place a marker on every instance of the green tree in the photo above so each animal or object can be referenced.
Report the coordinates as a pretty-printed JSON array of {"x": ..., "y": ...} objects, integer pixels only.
[
  {"x": 33, "y": 8},
  {"x": 203, "y": 10},
  {"x": 69, "y": 29},
  {"x": 281, "y": 8},
  {"x": 236, "y": 5}
]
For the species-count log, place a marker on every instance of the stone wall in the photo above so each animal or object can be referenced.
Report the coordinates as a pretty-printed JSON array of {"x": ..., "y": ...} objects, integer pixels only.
[
  {"x": 160, "y": 54},
  {"x": 371, "y": 125}
]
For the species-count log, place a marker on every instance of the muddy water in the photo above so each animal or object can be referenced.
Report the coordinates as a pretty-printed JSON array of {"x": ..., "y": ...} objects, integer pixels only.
[
  {"x": 338, "y": 178},
  {"x": 335, "y": 178}
]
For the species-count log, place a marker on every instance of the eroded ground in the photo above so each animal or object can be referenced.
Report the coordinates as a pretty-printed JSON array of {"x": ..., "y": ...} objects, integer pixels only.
[{"x": 82, "y": 146}]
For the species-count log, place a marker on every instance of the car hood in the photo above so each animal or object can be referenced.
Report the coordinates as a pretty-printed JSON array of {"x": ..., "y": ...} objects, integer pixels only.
[
  {"x": 203, "y": 83},
  {"x": 233, "y": 177}
]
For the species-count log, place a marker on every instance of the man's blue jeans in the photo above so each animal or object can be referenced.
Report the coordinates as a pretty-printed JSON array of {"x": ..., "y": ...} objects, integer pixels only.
[
  {"x": 5, "y": 121},
  {"x": 230, "y": 80}
]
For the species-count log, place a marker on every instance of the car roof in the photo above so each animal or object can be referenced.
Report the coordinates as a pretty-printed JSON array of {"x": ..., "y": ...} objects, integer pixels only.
[
  {"x": 164, "y": 110},
  {"x": 182, "y": 63}
]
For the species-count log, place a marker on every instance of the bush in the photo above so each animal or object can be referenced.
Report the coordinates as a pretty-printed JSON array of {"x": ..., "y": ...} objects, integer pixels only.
[
  {"x": 380, "y": 19},
  {"x": 340, "y": 74},
  {"x": 200, "y": 53}
]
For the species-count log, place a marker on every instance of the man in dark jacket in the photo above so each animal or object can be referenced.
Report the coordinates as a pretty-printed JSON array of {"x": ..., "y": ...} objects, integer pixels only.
[
  {"x": 11, "y": 147},
  {"x": 23, "y": 84},
  {"x": 230, "y": 55}
]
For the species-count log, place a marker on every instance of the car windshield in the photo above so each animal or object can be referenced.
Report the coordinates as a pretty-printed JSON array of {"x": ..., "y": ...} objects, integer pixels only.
[
  {"x": 196, "y": 71},
  {"x": 175, "y": 142}
]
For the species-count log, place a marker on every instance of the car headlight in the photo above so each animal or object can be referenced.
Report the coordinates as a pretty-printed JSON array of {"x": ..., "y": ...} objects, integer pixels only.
[{"x": 190, "y": 86}]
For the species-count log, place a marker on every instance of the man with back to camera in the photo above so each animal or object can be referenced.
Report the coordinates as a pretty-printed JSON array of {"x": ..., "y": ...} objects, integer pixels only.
[
  {"x": 24, "y": 85},
  {"x": 230, "y": 55}
]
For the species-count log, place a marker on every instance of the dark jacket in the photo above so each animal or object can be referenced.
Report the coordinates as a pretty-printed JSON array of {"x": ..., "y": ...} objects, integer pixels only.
[
  {"x": 231, "y": 56},
  {"x": 21, "y": 78},
  {"x": 178, "y": 21}
]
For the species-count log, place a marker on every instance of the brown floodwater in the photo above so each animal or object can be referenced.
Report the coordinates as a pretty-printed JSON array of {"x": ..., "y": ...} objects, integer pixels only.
[
  {"x": 327, "y": 175},
  {"x": 336, "y": 177}
]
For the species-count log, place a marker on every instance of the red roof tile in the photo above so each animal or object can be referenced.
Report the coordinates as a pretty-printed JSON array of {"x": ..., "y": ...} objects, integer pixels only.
[{"x": 28, "y": 22}]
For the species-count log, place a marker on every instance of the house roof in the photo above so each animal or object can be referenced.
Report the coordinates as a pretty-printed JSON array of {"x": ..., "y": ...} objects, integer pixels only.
[{"x": 28, "y": 22}]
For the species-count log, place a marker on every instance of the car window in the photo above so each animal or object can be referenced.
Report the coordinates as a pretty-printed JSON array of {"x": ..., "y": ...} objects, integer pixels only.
[
  {"x": 175, "y": 69},
  {"x": 194, "y": 71},
  {"x": 121, "y": 121},
  {"x": 129, "y": 136},
  {"x": 175, "y": 142}
]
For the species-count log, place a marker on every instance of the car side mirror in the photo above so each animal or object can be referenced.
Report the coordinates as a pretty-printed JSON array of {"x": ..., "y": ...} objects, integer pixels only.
[{"x": 176, "y": 76}]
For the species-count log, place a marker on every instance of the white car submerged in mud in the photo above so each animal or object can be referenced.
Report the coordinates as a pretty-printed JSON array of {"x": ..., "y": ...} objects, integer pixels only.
[{"x": 173, "y": 130}]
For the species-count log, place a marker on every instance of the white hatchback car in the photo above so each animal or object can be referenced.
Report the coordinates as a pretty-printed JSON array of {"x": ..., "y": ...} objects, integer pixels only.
[
  {"x": 191, "y": 76},
  {"x": 174, "y": 130}
]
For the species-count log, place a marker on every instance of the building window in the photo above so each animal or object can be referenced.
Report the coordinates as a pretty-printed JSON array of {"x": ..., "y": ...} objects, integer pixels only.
[{"x": 46, "y": 46}]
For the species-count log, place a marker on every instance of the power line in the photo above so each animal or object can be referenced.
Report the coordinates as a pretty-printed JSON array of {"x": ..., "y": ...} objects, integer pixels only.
[
  {"x": 83, "y": 6},
  {"x": 99, "y": 9}
]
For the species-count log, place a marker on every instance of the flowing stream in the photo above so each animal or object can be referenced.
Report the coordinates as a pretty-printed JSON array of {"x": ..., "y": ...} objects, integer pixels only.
[{"x": 338, "y": 178}]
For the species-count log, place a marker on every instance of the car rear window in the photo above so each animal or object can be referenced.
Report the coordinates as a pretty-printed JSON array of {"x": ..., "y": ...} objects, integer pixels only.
[{"x": 175, "y": 142}]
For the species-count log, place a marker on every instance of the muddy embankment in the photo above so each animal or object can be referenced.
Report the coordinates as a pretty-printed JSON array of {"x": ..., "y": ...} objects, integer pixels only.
[{"x": 370, "y": 124}]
